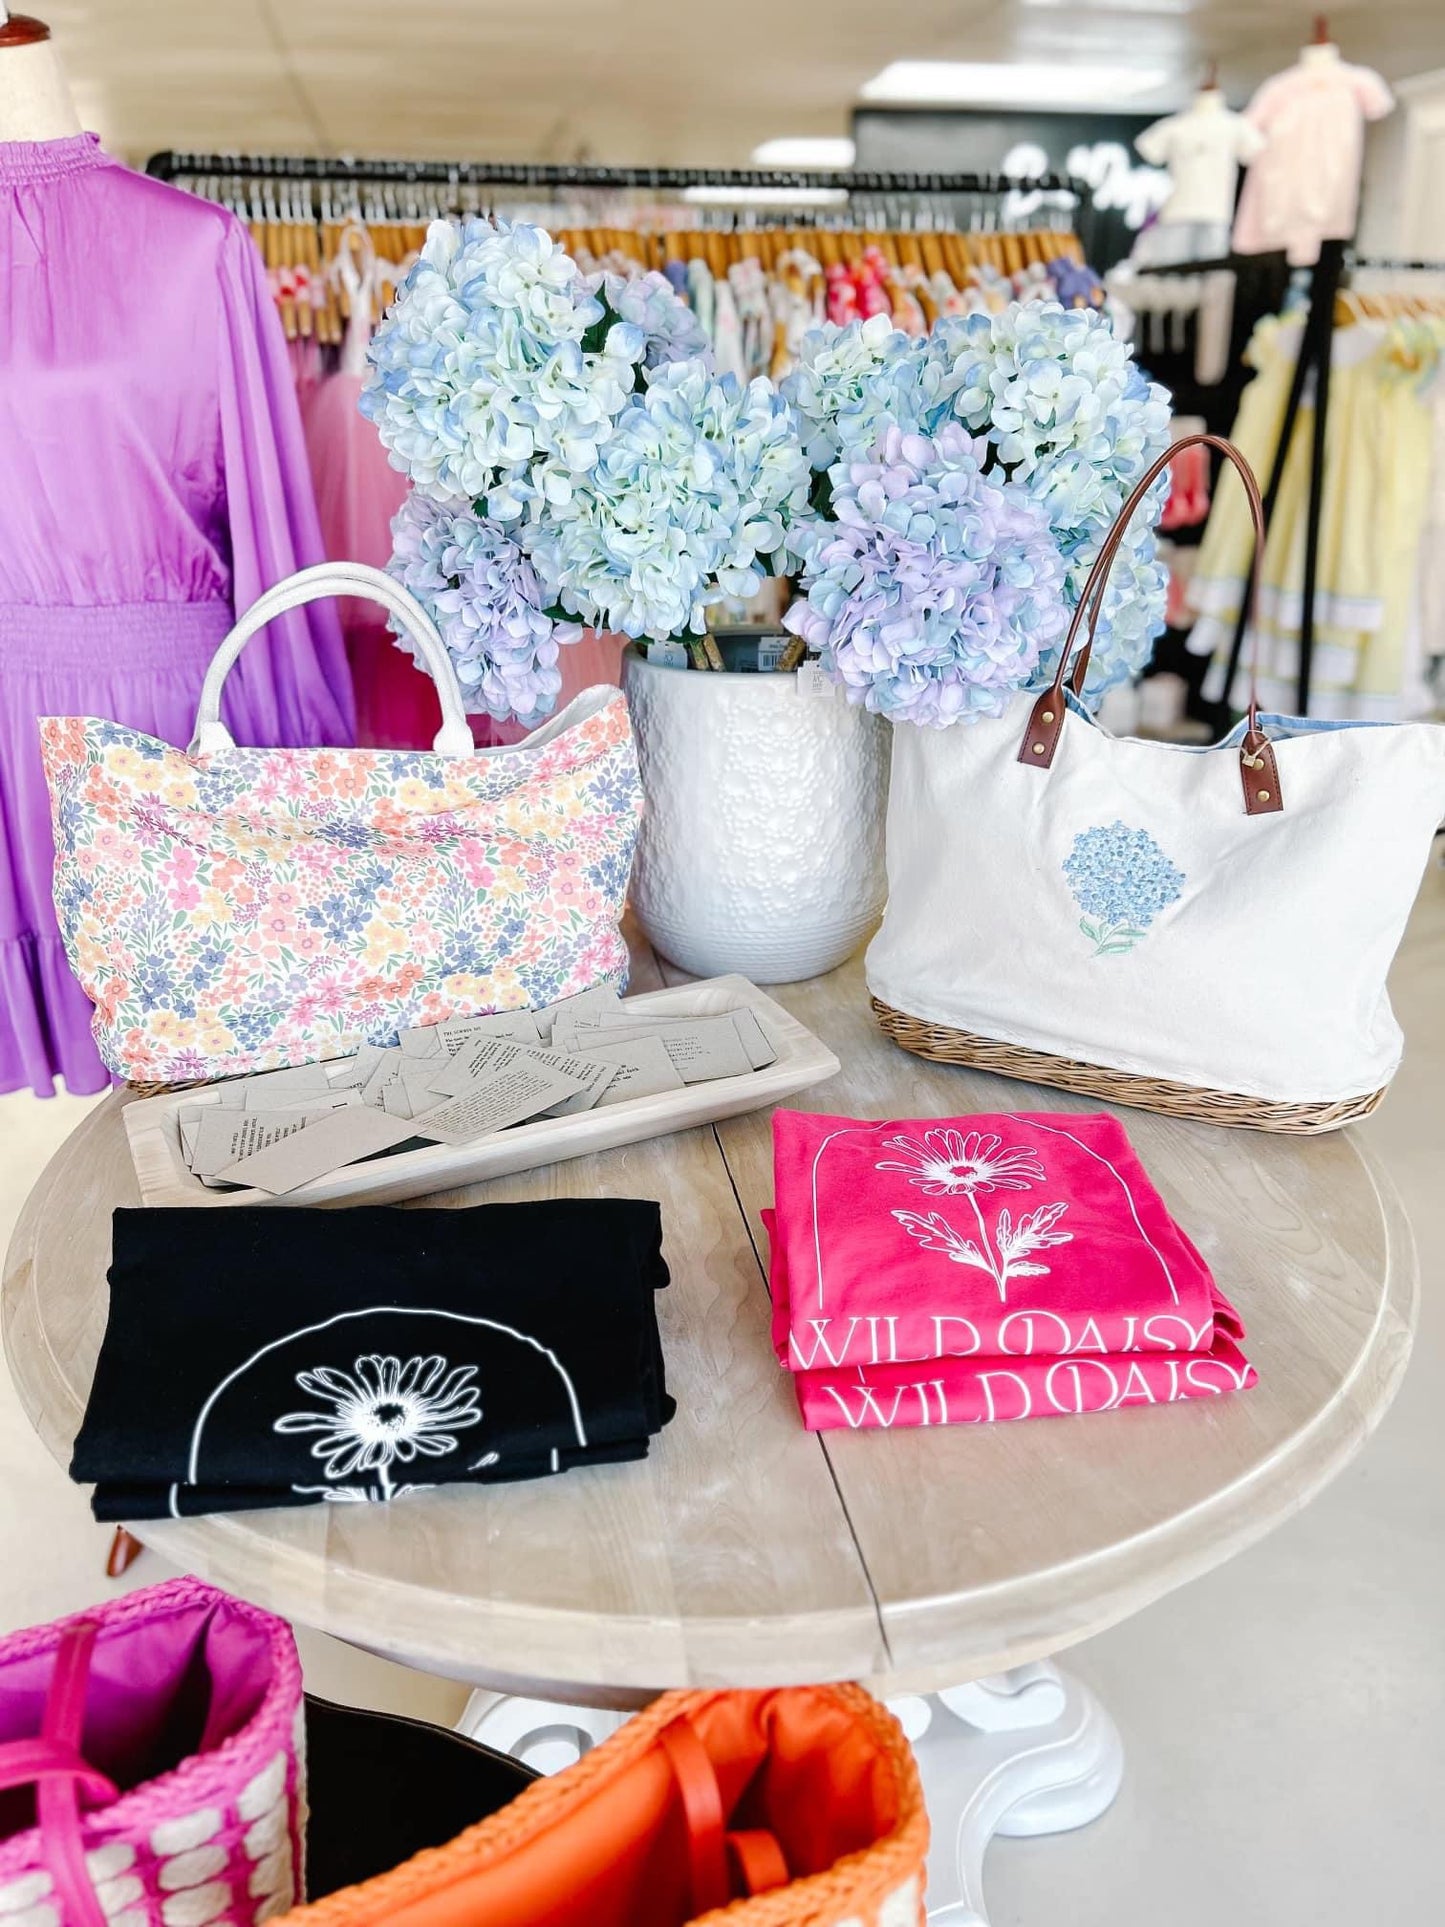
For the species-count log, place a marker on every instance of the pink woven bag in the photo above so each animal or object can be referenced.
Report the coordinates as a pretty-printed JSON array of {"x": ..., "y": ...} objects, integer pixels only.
[{"x": 162, "y": 1735}]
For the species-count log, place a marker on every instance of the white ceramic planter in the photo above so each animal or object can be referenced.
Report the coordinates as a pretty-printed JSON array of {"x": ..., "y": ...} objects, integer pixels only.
[{"x": 762, "y": 840}]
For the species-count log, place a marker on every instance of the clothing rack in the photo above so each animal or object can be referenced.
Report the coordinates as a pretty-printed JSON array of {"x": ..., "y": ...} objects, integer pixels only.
[
  {"x": 1315, "y": 360},
  {"x": 169, "y": 164},
  {"x": 761, "y": 194},
  {"x": 959, "y": 227}
]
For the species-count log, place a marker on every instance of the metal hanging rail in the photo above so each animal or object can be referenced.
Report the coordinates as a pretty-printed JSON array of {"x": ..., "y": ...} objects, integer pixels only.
[{"x": 171, "y": 164}]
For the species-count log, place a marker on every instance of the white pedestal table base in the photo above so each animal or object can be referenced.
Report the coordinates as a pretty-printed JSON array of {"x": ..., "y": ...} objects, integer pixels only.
[{"x": 1027, "y": 1752}]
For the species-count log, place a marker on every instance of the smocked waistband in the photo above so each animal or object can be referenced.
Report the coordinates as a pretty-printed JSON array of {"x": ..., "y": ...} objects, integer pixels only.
[{"x": 113, "y": 636}]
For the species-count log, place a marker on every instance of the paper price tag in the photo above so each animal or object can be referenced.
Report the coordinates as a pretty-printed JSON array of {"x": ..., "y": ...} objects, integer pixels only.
[
  {"x": 667, "y": 655},
  {"x": 812, "y": 683}
]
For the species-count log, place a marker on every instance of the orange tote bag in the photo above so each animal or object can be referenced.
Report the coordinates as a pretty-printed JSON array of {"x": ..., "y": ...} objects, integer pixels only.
[{"x": 795, "y": 1808}]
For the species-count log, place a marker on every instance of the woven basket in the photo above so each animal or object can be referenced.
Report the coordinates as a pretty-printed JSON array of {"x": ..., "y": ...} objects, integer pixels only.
[
  {"x": 879, "y": 1886},
  {"x": 947, "y": 1046}
]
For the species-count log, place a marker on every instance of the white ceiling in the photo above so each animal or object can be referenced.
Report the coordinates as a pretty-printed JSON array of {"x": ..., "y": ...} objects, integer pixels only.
[{"x": 678, "y": 82}]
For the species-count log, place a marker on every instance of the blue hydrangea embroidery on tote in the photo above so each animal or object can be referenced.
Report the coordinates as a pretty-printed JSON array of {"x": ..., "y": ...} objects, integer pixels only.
[{"x": 1121, "y": 880}]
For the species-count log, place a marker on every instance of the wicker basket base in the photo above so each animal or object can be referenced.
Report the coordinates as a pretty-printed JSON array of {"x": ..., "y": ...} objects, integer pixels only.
[{"x": 947, "y": 1046}]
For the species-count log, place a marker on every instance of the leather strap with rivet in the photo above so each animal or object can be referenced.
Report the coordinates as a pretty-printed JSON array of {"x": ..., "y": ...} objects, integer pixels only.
[{"x": 1259, "y": 774}]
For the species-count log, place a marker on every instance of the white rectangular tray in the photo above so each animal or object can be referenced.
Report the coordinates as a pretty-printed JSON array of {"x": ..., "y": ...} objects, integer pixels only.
[{"x": 153, "y": 1127}]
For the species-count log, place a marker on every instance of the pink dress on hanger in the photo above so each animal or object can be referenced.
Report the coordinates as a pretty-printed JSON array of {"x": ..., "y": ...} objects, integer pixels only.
[
  {"x": 152, "y": 478},
  {"x": 357, "y": 494}
]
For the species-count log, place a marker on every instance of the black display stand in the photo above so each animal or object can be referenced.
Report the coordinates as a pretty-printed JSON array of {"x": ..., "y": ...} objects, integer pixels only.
[{"x": 1314, "y": 362}]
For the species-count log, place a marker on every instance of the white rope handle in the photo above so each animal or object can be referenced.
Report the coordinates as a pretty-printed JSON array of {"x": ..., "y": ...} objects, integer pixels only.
[{"x": 454, "y": 738}]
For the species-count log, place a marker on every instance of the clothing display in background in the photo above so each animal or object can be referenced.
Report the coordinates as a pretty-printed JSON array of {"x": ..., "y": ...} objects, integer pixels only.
[
  {"x": 335, "y": 251},
  {"x": 357, "y": 493},
  {"x": 1303, "y": 186},
  {"x": 367, "y": 1354},
  {"x": 1188, "y": 503},
  {"x": 952, "y": 1271},
  {"x": 1384, "y": 453},
  {"x": 1178, "y": 244},
  {"x": 152, "y": 476},
  {"x": 755, "y": 289},
  {"x": 1203, "y": 149}
]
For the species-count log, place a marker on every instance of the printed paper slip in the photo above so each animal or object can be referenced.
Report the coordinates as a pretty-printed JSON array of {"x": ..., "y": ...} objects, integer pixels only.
[
  {"x": 599, "y": 1077},
  {"x": 321, "y": 1147},
  {"x": 445, "y": 1040},
  {"x": 758, "y": 1050},
  {"x": 265, "y": 1091},
  {"x": 643, "y": 1069},
  {"x": 709, "y": 1048},
  {"x": 493, "y": 1054},
  {"x": 423, "y": 1042},
  {"x": 355, "y": 1072},
  {"x": 221, "y": 1135},
  {"x": 387, "y": 1072},
  {"x": 511, "y": 1096},
  {"x": 601, "y": 998},
  {"x": 518, "y": 1025},
  {"x": 755, "y": 1043},
  {"x": 330, "y": 1100}
]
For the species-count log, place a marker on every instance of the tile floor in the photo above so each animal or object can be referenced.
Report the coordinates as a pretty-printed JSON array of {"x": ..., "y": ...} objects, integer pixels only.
[{"x": 1284, "y": 1717}]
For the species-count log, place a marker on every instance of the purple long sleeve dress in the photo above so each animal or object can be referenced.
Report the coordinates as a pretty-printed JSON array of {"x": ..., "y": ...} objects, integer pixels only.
[{"x": 153, "y": 478}]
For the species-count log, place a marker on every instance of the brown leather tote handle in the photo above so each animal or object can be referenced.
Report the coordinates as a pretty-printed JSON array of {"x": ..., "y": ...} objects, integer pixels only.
[{"x": 1258, "y": 774}]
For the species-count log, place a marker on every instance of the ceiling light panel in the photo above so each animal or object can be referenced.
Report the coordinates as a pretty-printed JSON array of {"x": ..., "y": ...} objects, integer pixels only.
[
  {"x": 1017, "y": 83},
  {"x": 804, "y": 150}
]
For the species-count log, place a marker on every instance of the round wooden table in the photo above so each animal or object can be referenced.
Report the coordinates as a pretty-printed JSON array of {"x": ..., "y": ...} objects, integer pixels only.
[{"x": 746, "y": 1551}]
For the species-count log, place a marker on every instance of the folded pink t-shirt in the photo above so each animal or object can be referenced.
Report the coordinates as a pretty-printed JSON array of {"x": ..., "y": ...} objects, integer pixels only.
[{"x": 1025, "y": 1260}]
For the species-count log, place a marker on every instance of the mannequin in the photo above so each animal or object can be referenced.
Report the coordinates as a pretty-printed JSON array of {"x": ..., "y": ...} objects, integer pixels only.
[
  {"x": 35, "y": 103},
  {"x": 153, "y": 481},
  {"x": 1305, "y": 186},
  {"x": 1202, "y": 148}
]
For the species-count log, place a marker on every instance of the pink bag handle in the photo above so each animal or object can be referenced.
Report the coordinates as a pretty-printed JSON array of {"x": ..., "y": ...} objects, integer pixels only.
[{"x": 57, "y": 1769}]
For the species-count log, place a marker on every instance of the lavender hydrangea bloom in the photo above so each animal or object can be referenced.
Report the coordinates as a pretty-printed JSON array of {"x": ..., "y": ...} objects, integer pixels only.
[
  {"x": 940, "y": 590},
  {"x": 481, "y": 365},
  {"x": 700, "y": 479},
  {"x": 650, "y": 303},
  {"x": 484, "y": 596}
]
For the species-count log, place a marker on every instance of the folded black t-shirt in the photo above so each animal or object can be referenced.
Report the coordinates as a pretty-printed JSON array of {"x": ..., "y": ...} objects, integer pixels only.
[{"x": 264, "y": 1356}]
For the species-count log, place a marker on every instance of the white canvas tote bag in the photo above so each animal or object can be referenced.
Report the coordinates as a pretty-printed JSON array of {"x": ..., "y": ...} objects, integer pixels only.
[{"x": 1204, "y": 931}]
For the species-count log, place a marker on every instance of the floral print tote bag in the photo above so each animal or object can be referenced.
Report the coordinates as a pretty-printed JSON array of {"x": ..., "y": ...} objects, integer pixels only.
[
  {"x": 231, "y": 910},
  {"x": 1200, "y": 931}
]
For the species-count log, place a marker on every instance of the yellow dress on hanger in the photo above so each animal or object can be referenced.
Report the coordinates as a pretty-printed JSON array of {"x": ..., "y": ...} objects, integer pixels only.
[
  {"x": 1376, "y": 462},
  {"x": 1405, "y": 368},
  {"x": 1217, "y": 586},
  {"x": 1348, "y": 602}
]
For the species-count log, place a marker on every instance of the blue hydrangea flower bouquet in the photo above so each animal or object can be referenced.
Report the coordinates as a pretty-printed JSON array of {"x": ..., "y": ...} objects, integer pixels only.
[
  {"x": 964, "y": 484},
  {"x": 575, "y": 460}
]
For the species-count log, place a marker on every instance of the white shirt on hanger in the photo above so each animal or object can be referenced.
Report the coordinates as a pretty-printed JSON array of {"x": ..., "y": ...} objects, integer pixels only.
[{"x": 1203, "y": 149}]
